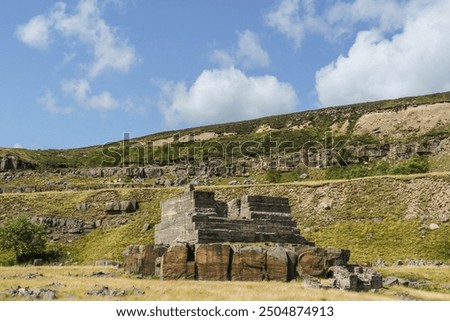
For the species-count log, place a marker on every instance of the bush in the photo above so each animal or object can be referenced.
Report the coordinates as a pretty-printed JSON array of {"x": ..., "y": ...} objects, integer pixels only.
[
  {"x": 414, "y": 165},
  {"x": 273, "y": 175},
  {"x": 347, "y": 172},
  {"x": 26, "y": 239}
]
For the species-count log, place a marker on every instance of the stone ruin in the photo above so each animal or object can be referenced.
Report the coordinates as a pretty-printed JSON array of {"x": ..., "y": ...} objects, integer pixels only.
[
  {"x": 253, "y": 238},
  {"x": 196, "y": 217}
]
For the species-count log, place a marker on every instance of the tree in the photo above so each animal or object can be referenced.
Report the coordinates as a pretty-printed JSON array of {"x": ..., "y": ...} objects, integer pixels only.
[{"x": 26, "y": 239}]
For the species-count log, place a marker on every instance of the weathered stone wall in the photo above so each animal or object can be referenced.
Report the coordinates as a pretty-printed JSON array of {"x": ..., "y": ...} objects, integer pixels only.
[
  {"x": 176, "y": 216},
  {"x": 196, "y": 217}
]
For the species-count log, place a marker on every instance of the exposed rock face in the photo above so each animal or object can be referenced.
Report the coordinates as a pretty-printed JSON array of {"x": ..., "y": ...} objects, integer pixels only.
[
  {"x": 10, "y": 162},
  {"x": 212, "y": 261},
  {"x": 64, "y": 229}
]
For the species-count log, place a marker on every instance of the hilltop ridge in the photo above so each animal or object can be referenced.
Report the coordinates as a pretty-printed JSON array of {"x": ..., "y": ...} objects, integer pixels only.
[{"x": 397, "y": 208}]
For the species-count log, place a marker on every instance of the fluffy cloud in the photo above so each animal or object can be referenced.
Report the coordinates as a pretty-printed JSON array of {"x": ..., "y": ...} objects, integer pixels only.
[
  {"x": 222, "y": 95},
  {"x": 414, "y": 61},
  {"x": 109, "y": 50},
  {"x": 49, "y": 102},
  {"x": 80, "y": 89},
  {"x": 286, "y": 19},
  {"x": 35, "y": 32},
  {"x": 85, "y": 25},
  {"x": 249, "y": 53}
]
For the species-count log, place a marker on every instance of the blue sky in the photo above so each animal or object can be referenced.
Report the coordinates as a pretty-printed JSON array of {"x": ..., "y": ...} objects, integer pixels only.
[{"x": 80, "y": 73}]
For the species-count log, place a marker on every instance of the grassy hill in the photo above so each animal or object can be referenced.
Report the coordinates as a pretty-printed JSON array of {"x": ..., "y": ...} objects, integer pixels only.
[
  {"x": 368, "y": 216},
  {"x": 375, "y": 208},
  {"x": 299, "y": 128}
]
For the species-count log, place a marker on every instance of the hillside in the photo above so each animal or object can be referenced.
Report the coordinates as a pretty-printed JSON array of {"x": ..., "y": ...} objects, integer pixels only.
[
  {"x": 371, "y": 177},
  {"x": 404, "y": 120}
]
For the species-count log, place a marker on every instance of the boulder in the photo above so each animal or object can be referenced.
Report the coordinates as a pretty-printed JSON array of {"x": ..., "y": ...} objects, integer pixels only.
[
  {"x": 434, "y": 226},
  {"x": 212, "y": 261},
  {"x": 337, "y": 257},
  {"x": 129, "y": 206},
  {"x": 277, "y": 264},
  {"x": 82, "y": 207},
  {"x": 149, "y": 255},
  {"x": 312, "y": 262},
  {"x": 248, "y": 264},
  {"x": 174, "y": 262},
  {"x": 132, "y": 260},
  {"x": 144, "y": 259},
  {"x": 112, "y": 207},
  {"x": 122, "y": 206},
  {"x": 355, "y": 278},
  {"x": 315, "y": 261}
]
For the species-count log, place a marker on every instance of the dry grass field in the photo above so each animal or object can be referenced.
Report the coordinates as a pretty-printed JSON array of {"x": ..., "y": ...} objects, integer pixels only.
[{"x": 72, "y": 283}]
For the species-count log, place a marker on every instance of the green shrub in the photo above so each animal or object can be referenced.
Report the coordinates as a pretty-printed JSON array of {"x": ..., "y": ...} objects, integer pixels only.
[
  {"x": 273, "y": 175},
  {"x": 347, "y": 172},
  {"x": 414, "y": 165},
  {"x": 26, "y": 239}
]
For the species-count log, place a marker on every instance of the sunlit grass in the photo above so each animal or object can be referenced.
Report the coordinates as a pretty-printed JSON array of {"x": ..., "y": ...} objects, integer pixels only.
[{"x": 76, "y": 281}]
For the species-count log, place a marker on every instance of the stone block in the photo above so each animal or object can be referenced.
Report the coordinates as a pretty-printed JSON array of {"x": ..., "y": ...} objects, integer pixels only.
[
  {"x": 337, "y": 257},
  {"x": 174, "y": 262},
  {"x": 312, "y": 263},
  {"x": 248, "y": 264},
  {"x": 142, "y": 259},
  {"x": 277, "y": 264},
  {"x": 212, "y": 261}
]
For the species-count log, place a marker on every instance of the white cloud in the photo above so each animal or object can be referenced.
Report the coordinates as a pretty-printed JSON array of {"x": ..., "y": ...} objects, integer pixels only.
[
  {"x": 412, "y": 62},
  {"x": 286, "y": 19},
  {"x": 222, "y": 58},
  {"x": 222, "y": 95},
  {"x": 80, "y": 90},
  {"x": 103, "y": 101},
  {"x": 387, "y": 13},
  {"x": 49, "y": 102},
  {"x": 109, "y": 50},
  {"x": 249, "y": 53},
  {"x": 35, "y": 32},
  {"x": 17, "y": 146}
]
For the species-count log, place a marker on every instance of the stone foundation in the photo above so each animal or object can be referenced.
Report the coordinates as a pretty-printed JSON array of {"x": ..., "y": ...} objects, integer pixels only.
[{"x": 221, "y": 262}]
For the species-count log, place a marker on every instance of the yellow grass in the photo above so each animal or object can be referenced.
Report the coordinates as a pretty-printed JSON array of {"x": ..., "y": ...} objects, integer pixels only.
[{"x": 78, "y": 280}]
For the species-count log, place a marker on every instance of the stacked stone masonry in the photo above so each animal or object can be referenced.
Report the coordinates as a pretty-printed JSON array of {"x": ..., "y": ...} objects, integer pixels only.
[
  {"x": 196, "y": 217},
  {"x": 200, "y": 238}
]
